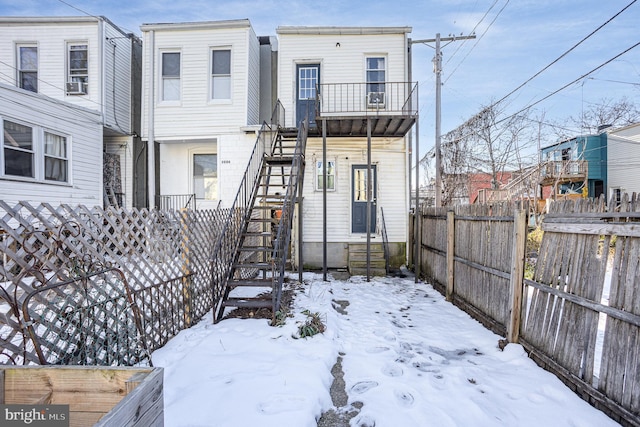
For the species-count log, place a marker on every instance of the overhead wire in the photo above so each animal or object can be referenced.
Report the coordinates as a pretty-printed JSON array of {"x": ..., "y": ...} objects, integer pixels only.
[
  {"x": 565, "y": 53},
  {"x": 478, "y": 41}
]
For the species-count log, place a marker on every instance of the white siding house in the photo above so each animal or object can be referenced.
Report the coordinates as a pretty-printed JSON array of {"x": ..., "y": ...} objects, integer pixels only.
[
  {"x": 84, "y": 61},
  {"x": 623, "y": 160},
  {"x": 52, "y": 150},
  {"x": 361, "y": 73},
  {"x": 201, "y": 107}
]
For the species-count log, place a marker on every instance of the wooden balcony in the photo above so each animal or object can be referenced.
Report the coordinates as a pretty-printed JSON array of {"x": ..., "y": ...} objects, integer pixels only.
[
  {"x": 564, "y": 171},
  {"x": 346, "y": 107}
]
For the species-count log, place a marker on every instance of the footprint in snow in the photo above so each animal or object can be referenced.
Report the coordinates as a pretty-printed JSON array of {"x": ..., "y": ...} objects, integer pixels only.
[
  {"x": 378, "y": 349},
  {"x": 398, "y": 324},
  {"x": 278, "y": 404},
  {"x": 363, "y": 386},
  {"x": 425, "y": 367},
  {"x": 364, "y": 421},
  {"x": 392, "y": 370},
  {"x": 404, "y": 398}
]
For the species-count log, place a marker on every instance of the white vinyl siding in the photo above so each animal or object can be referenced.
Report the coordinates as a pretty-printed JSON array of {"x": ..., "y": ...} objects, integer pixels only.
[
  {"x": 82, "y": 132},
  {"x": 117, "y": 79},
  {"x": 197, "y": 116},
  {"x": 109, "y": 62},
  {"x": 253, "y": 80},
  {"x": 339, "y": 64},
  {"x": 623, "y": 153},
  {"x": 391, "y": 196}
]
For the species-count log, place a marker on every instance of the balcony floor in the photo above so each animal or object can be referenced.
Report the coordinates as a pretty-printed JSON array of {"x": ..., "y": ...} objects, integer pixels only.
[{"x": 391, "y": 125}]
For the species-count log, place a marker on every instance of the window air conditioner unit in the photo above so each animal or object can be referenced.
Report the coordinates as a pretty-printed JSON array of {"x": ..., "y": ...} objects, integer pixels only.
[
  {"x": 375, "y": 99},
  {"x": 76, "y": 88}
]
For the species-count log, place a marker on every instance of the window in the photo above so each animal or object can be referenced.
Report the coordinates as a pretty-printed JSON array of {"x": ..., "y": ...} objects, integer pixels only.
[
  {"x": 78, "y": 68},
  {"x": 205, "y": 176},
  {"x": 35, "y": 153},
  {"x": 375, "y": 81},
  {"x": 360, "y": 185},
  {"x": 331, "y": 175},
  {"x": 19, "y": 150},
  {"x": 307, "y": 81},
  {"x": 28, "y": 67},
  {"x": 171, "y": 76},
  {"x": 55, "y": 157},
  {"x": 220, "y": 74}
]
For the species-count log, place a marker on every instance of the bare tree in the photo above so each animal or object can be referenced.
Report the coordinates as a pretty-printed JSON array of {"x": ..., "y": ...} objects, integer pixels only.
[
  {"x": 618, "y": 113},
  {"x": 487, "y": 143}
]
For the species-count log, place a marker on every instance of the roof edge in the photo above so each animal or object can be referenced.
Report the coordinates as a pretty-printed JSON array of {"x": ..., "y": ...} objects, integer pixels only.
[
  {"x": 342, "y": 30},
  {"x": 177, "y": 26}
]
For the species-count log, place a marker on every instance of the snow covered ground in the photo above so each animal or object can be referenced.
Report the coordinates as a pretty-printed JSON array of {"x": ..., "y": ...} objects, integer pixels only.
[{"x": 408, "y": 356}]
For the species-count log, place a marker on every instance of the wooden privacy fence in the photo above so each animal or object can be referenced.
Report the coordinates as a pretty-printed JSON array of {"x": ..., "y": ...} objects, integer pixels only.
[
  {"x": 49, "y": 253},
  {"x": 579, "y": 314}
]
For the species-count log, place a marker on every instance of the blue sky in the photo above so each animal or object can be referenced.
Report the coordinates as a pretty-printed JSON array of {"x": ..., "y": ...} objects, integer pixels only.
[{"x": 514, "y": 40}]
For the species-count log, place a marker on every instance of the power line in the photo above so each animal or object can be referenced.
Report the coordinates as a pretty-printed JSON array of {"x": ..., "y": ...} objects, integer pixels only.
[
  {"x": 565, "y": 53},
  {"x": 477, "y": 41},
  {"x": 471, "y": 32},
  {"x": 570, "y": 83}
]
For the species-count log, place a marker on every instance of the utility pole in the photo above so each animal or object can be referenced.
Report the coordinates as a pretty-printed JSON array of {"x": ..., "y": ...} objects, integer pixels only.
[{"x": 437, "y": 69}]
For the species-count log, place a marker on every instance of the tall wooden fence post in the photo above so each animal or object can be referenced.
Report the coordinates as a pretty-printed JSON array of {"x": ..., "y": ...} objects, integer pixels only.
[
  {"x": 451, "y": 253},
  {"x": 517, "y": 274}
]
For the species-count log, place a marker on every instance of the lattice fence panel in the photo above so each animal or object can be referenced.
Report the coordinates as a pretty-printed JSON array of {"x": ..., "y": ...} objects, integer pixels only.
[{"x": 155, "y": 250}]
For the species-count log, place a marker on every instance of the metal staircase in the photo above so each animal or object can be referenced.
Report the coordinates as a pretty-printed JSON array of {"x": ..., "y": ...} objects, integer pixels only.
[{"x": 253, "y": 276}]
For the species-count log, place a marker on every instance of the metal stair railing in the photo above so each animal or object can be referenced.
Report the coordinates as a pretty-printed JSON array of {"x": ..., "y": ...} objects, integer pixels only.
[
  {"x": 283, "y": 236},
  {"x": 228, "y": 242},
  {"x": 385, "y": 241}
]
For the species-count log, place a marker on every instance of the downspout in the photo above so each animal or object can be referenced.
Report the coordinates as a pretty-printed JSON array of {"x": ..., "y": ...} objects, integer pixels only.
[
  {"x": 101, "y": 66},
  {"x": 151, "y": 166},
  {"x": 408, "y": 144}
]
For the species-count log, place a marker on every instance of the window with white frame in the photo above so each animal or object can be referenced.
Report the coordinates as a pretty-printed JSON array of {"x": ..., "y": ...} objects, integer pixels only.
[
  {"x": 28, "y": 67},
  {"x": 19, "y": 150},
  {"x": 170, "y": 76},
  {"x": 331, "y": 175},
  {"x": 220, "y": 74},
  {"x": 33, "y": 152},
  {"x": 205, "y": 176},
  {"x": 78, "y": 67},
  {"x": 376, "y": 76},
  {"x": 55, "y": 157}
]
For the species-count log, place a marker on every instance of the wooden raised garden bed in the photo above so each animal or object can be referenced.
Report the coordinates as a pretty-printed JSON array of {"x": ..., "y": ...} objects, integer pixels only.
[{"x": 97, "y": 396}]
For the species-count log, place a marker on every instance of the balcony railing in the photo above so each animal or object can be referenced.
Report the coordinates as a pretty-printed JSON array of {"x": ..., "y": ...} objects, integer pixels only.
[
  {"x": 176, "y": 201},
  {"x": 366, "y": 99},
  {"x": 564, "y": 170}
]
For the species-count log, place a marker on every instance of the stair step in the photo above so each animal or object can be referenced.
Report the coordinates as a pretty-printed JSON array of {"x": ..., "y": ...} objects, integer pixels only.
[
  {"x": 362, "y": 256},
  {"x": 363, "y": 271},
  {"x": 374, "y": 263},
  {"x": 256, "y": 265},
  {"x": 257, "y": 233},
  {"x": 255, "y": 249},
  {"x": 284, "y": 160},
  {"x": 248, "y": 303},
  {"x": 360, "y": 247},
  {"x": 259, "y": 283}
]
